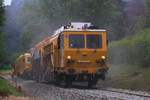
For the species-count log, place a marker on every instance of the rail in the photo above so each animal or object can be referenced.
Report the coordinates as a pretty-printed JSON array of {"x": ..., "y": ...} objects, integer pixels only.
[{"x": 128, "y": 93}]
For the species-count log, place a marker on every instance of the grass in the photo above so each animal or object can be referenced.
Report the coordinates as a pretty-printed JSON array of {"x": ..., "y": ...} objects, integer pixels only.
[
  {"x": 7, "y": 88},
  {"x": 6, "y": 71},
  {"x": 129, "y": 77}
]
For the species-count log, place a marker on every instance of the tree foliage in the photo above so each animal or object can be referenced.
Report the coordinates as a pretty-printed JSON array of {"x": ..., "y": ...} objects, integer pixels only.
[
  {"x": 134, "y": 50},
  {"x": 1, "y": 13},
  {"x": 12, "y": 27},
  {"x": 43, "y": 16},
  {"x": 1, "y": 33},
  {"x": 147, "y": 13}
]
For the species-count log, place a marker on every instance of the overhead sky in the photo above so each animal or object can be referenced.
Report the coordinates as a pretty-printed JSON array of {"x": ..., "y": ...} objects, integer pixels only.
[{"x": 7, "y": 2}]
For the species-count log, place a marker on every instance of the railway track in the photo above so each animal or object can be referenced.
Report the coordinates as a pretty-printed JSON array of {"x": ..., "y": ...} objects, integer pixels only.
[
  {"x": 52, "y": 92},
  {"x": 128, "y": 93}
]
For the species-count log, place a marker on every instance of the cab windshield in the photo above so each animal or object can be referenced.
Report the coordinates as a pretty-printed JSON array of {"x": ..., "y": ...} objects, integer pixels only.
[
  {"x": 76, "y": 41},
  {"x": 93, "y": 41},
  {"x": 29, "y": 59}
]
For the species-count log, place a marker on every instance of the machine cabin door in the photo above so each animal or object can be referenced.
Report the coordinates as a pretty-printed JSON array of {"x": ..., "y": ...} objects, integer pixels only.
[{"x": 61, "y": 50}]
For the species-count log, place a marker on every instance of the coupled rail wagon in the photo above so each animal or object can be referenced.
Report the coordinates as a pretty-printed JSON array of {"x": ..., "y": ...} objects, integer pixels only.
[
  {"x": 23, "y": 64},
  {"x": 75, "y": 52}
]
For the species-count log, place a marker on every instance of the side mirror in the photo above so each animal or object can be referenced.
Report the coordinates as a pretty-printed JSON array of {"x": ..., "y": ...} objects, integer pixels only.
[{"x": 108, "y": 41}]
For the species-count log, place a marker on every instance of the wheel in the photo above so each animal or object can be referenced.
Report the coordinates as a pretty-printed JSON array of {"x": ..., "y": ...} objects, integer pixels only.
[
  {"x": 90, "y": 84},
  {"x": 103, "y": 77},
  {"x": 95, "y": 81},
  {"x": 57, "y": 81},
  {"x": 68, "y": 81}
]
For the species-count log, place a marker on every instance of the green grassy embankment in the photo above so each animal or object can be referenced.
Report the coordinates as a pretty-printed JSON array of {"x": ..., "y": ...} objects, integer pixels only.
[
  {"x": 129, "y": 77},
  {"x": 131, "y": 56},
  {"x": 6, "y": 71},
  {"x": 133, "y": 50},
  {"x": 5, "y": 87}
]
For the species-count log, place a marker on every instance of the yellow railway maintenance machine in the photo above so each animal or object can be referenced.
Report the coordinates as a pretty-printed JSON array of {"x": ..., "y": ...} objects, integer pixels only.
[
  {"x": 79, "y": 54},
  {"x": 23, "y": 64},
  {"x": 76, "y": 52}
]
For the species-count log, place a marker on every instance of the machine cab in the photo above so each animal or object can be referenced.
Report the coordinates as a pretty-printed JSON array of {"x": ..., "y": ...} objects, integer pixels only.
[{"x": 83, "y": 47}]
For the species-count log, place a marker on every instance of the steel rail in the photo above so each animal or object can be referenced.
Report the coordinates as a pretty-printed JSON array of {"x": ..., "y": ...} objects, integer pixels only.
[{"x": 129, "y": 93}]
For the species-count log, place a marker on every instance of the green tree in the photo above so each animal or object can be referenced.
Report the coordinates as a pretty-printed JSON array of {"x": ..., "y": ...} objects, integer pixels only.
[
  {"x": 1, "y": 13},
  {"x": 147, "y": 13},
  {"x": 1, "y": 32},
  {"x": 42, "y": 17}
]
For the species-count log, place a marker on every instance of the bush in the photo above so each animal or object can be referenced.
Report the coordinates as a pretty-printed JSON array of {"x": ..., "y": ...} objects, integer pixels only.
[{"x": 134, "y": 50}]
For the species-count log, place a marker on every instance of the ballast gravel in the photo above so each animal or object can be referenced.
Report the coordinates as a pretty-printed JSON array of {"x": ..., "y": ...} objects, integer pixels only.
[{"x": 41, "y": 91}]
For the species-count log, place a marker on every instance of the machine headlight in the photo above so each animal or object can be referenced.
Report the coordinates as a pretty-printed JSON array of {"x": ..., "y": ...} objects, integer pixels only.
[
  {"x": 103, "y": 57},
  {"x": 68, "y": 57}
]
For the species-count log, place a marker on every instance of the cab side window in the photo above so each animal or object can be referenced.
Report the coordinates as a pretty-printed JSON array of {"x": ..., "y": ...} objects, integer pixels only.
[
  {"x": 29, "y": 59},
  {"x": 61, "y": 42}
]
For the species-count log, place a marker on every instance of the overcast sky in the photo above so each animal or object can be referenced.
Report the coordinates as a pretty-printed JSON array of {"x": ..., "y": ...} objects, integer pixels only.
[{"x": 7, "y": 2}]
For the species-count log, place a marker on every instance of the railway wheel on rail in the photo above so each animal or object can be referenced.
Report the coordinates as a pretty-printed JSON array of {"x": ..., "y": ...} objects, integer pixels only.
[
  {"x": 103, "y": 76},
  {"x": 68, "y": 81},
  {"x": 92, "y": 83},
  {"x": 57, "y": 79}
]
